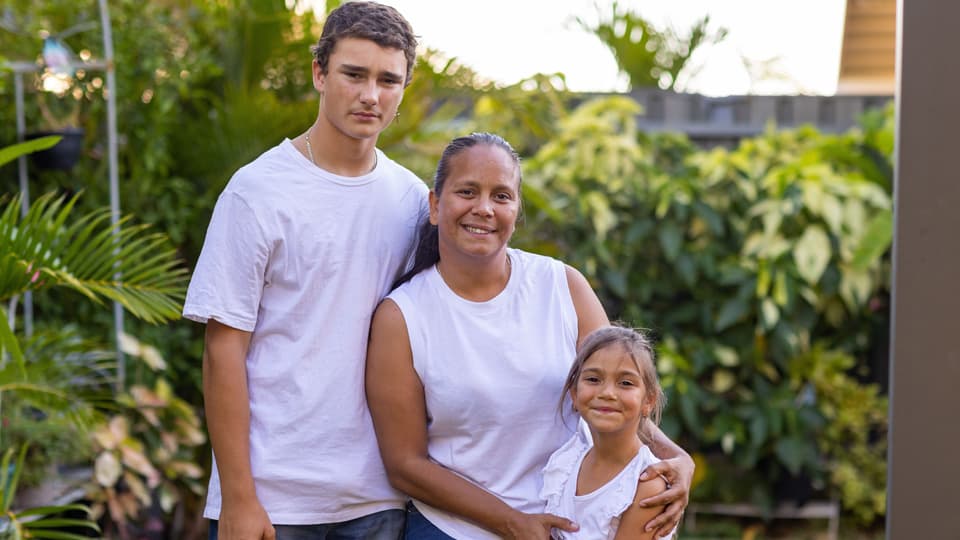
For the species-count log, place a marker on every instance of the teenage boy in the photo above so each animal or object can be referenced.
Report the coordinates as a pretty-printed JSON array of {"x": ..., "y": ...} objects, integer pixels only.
[{"x": 303, "y": 244}]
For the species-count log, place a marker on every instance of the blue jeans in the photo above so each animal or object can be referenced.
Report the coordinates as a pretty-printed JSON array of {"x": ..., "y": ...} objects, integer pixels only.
[
  {"x": 420, "y": 528},
  {"x": 385, "y": 525}
]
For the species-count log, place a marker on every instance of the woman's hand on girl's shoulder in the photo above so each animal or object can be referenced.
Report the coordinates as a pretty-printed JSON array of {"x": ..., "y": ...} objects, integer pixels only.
[{"x": 678, "y": 473}]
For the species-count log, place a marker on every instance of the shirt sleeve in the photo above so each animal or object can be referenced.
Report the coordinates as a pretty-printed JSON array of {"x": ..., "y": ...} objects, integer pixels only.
[{"x": 228, "y": 280}]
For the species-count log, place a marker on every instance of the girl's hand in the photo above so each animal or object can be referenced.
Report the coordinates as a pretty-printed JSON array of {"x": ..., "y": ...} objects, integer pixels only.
[
  {"x": 678, "y": 472},
  {"x": 536, "y": 526}
]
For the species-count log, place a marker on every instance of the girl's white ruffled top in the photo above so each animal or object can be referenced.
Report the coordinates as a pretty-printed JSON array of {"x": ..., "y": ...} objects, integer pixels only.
[{"x": 597, "y": 513}]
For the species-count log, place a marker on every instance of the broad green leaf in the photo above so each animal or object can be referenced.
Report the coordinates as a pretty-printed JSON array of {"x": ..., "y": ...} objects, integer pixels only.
[
  {"x": 723, "y": 381},
  {"x": 711, "y": 217},
  {"x": 727, "y": 442},
  {"x": 769, "y": 313},
  {"x": 671, "y": 239},
  {"x": 758, "y": 429},
  {"x": 855, "y": 288},
  {"x": 763, "y": 278},
  {"x": 780, "y": 290},
  {"x": 726, "y": 356},
  {"x": 833, "y": 214},
  {"x": 732, "y": 312},
  {"x": 12, "y": 152},
  {"x": 854, "y": 217},
  {"x": 10, "y": 345},
  {"x": 794, "y": 452},
  {"x": 616, "y": 281},
  {"x": 687, "y": 269},
  {"x": 875, "y": 241},
  {"x": 107, "y": 469},
  {"x": 812, "y": 254},
  {"x": 601, "y": 215}
]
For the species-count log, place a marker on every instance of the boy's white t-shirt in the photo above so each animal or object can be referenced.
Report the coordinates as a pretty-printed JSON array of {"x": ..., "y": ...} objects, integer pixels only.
[{"x": 301, "y": 257}]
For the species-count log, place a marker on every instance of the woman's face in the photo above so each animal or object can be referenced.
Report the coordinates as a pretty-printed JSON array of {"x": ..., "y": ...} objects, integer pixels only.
[{"x": 476, "y": 212}]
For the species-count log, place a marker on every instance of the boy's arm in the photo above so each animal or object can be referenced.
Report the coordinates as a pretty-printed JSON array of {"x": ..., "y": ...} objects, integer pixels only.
[
  {"x": 396, "y": 399},
  {"x": 633, "y": 519},
  {"x": 227, "y": 408}
]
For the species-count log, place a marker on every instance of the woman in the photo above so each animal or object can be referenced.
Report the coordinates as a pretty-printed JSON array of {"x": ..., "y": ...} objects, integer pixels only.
[{"x": 468, "y": 354}]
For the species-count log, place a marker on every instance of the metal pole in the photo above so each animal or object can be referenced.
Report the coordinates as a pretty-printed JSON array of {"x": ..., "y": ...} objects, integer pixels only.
[
  {"x": 111, "y": 92},
  {"x": 24, "y": 191}
]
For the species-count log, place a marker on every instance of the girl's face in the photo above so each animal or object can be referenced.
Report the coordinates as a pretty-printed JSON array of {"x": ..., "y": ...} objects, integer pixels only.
[
  {"x": 609, "y": 393},
  {"x": 477, "y": 210}
]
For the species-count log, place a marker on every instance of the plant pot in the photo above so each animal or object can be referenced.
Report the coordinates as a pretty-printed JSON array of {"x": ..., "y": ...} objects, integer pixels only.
[{"x": 63, "y": 155}]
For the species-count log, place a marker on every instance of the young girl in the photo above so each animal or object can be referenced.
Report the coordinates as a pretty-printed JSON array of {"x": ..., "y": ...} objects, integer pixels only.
[{"x": 613, "y": 386}]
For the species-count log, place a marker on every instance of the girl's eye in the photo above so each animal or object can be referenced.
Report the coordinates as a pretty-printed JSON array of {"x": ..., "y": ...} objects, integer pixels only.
[
  {"x": 627, "y": 383},
  {"x": 591, "y": 379}
]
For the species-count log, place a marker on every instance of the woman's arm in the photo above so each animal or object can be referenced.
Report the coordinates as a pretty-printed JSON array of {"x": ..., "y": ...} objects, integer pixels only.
[
  {"x": 590, "y": 313},
  {"x": 396, "y": 399},
  {"x": 633, "y": 518}
]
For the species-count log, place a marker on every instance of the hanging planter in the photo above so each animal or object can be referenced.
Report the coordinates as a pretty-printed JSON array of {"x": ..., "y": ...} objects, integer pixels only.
[{"x": 63, "y": 155}]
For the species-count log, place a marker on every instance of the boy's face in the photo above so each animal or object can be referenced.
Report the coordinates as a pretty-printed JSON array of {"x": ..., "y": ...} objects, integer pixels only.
[{"x": 362, "y": 88}]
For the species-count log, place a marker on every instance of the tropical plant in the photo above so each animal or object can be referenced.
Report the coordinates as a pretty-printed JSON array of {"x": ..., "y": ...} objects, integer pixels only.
[
  {"x": 649, "y": 56},
  {"x": 39, "y": 522},
  {"x": 145, "y": 468},
  {"x": 743, "y": 262},
  {"x": 43, "y": 249}
]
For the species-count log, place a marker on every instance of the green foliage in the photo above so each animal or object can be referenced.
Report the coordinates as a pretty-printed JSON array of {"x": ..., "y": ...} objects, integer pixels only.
[
  {"x": 855, "y": 434},
  {"x": 125, "y": 264},
  {"x": 39, "y": 522},
  {"x": 651, "y": 57},
  {"x": 743, "y": 262},
  {"x": 10, "y": 153},
  {"x": 146, "y": 457},
  {"x": 760, "y": 268},
  {"x": 56, "y": 378}
]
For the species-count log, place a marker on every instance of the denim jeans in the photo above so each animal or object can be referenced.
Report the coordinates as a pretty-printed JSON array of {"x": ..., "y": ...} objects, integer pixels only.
[
  {"x": 385, "y": 525},
  {"x": 420, "y": 528}
]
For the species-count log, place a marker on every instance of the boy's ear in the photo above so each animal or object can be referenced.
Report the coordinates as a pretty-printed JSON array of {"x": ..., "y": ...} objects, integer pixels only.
[{"x": 319, "y": 79}]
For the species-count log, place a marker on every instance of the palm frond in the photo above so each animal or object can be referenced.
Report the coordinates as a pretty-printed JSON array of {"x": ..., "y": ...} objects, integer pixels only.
[
  {"x": 41, "y": 521},
  {"x": 128, "y": 263}
]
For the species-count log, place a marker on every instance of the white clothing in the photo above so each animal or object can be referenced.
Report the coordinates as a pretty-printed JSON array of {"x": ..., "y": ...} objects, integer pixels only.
[
  {"x": 492, "y": 375},
  {"x": 301, "y": 257},
  {"x": 598, "y": 512}
]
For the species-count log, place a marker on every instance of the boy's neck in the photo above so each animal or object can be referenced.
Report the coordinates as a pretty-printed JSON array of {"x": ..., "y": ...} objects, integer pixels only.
[{"x": 337, "y": 153}]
